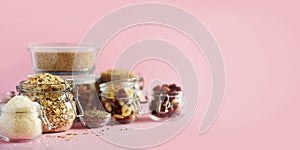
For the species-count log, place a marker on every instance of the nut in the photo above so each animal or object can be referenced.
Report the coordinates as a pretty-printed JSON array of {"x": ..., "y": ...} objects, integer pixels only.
[
  {"x": 126, "y": 111},
  {"x": 108, "y": 107},
  {"x": 117, "y": 116},
  {"x": 121, "y": 103}
]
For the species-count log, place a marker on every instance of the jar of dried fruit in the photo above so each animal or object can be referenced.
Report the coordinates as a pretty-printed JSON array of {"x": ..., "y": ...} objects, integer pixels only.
[
  {"x": 119, "y": 98},
  {"x": 166, "y": 102},
  {"x": 56, "y": 96}
]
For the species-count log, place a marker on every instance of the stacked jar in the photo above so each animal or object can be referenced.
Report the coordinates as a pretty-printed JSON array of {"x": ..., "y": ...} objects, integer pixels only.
[{"x": 72, "y": 65}]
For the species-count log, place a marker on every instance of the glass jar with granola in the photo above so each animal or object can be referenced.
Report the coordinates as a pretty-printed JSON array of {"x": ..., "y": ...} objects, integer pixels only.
[{"x": 56, "y": 96}]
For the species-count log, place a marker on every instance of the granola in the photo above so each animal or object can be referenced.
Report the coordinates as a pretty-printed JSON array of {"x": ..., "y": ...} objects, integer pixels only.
[{"x": 53, "y": 93}]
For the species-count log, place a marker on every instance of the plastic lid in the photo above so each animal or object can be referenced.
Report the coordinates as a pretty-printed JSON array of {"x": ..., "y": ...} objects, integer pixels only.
[
  {"x": 64, "y": 46},
  {"x": 82, "y": 78}
]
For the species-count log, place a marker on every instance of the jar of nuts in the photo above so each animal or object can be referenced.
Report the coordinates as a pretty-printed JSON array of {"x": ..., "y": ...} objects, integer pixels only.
[
  {"x": 56, "y": 96},
  {"x": 119, "y": 98},
  {"x": 166, "y": 102},
  {"x": 120, "y": 75}
]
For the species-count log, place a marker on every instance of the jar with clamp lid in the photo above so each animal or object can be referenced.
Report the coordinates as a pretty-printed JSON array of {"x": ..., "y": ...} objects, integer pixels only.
[
  {"x": 58, "y": 98},
  {"x": 119, "y": 98}
]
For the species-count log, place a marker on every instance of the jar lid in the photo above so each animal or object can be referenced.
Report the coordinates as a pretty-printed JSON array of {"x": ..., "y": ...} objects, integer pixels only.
[
  {"x": 130, "y": 81},
  {"x": 63, "y": 47},
  {"x": 82, "y": 78}
]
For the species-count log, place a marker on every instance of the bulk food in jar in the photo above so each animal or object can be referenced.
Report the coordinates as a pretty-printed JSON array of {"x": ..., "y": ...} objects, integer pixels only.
[
  {"x": 166, "y": 102},
  {"x": 56, "y": 96},
  {"x": 63, "y": 58},
  {"x": 21, "y": 119},
  {"x": 119, "y": 99},
  {"x": 121, "y": 74},
  {"x": 94, "y": 113}
]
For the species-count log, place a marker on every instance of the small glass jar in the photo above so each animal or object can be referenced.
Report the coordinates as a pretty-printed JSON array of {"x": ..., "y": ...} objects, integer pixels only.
[
  {"x": 119, "y": 98},
  {"x": 21, "y": 126},
  {"x": 165, "y": 105},
  {"x": 58, "y": 101},
  {"x": 94, "y": 114},
  {"x": 119, "y": 75}
]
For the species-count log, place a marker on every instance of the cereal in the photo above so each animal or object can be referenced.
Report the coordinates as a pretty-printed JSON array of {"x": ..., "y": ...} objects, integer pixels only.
[
  {"x": 64, "y": 61},
  {"x": 63, "y": 57},
  {"x": 54, "y": 94}
]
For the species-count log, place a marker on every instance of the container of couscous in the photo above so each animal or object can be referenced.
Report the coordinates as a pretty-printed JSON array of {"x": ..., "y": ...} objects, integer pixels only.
[
  {"x": 63, "y": 58},
  {"x": 21, "y": 119}
]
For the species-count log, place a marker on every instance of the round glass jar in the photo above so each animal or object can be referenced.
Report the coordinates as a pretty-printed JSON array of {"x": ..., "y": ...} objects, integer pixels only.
[
  {"x": 120, "y": 74},
  {"x": 165, "y": 103},
  {"x": 119, "y": 98},
  {"x": 21, "y": 126},
  {"x": 57, "y": 100}
]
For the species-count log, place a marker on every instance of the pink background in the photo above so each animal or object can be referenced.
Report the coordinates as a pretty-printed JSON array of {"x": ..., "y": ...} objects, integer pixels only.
[{"x": 259, "y": 41}]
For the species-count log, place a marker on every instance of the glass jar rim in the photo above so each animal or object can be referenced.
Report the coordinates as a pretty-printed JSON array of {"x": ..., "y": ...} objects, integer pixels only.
[
  {"x": 68, "y": 87},
  {"x": 63, "y": 45},
  {"x": 173, "y": 94},
  {"x": 128, "y": 81}
]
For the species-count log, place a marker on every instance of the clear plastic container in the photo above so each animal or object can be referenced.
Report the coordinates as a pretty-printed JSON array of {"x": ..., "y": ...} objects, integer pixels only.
[
  {"x": 63, "y": 58},
  {"x": 58, "y": 100}
]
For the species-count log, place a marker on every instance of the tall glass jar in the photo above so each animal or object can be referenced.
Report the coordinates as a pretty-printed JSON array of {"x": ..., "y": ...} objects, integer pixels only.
[
  {"x": 119, "y": 98},
  {"x": 58, "y": 101}
]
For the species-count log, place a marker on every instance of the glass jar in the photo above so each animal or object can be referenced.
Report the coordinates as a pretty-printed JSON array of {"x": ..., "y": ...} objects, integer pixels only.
[
  {"x": 21, "y": 126},
  {"x": 58, "y": 101},
  {"x": 119, "y": 98},
  {"x": 120, "y": 74},
  {"x": 165, "y": 104},
  {"x": 94, "y": 114}
]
